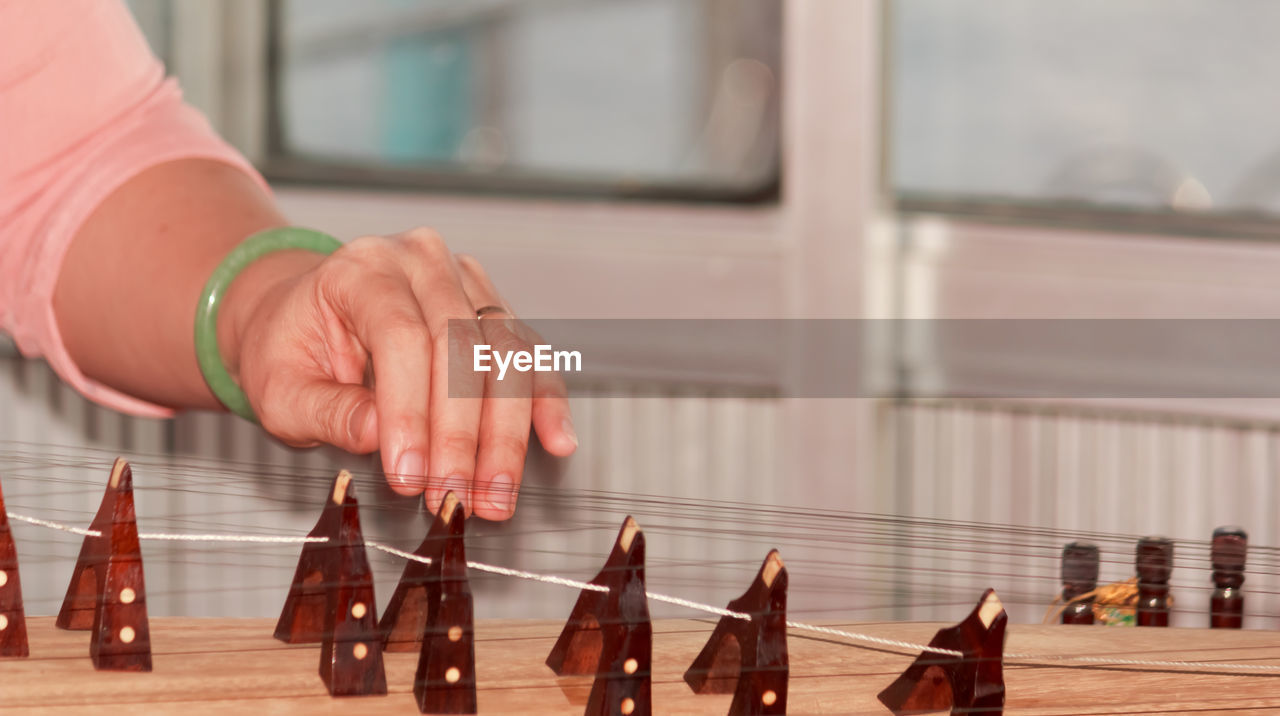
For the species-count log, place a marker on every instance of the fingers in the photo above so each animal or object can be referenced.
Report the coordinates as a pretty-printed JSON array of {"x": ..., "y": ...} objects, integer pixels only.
[
  {"x": 504, "y": 435},
  {"x": 552, "y": 420},
  {"x": 401, "y": 350},
  {"x": 386, "y": 319},
  {"x": 454, "y": 422},
  {"x": 550, "y": 410},
  {"x": 504, "y": 423},
  {"x": 412, "y": 307}
]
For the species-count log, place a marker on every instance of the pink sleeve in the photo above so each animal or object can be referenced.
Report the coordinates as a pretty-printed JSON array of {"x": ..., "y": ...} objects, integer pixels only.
[{"x": 84, "y": 107}]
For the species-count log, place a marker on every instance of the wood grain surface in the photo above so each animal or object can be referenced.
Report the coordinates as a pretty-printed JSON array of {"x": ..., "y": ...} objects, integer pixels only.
[{"x": 219, "y": 666}]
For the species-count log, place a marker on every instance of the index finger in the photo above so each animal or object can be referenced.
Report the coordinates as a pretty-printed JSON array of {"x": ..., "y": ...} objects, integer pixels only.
[{"x": 387, "y": 320}]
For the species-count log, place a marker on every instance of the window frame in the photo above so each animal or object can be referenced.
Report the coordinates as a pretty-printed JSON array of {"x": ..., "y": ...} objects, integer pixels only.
[
  {"x": 277, "y": 163},
  {"x": 1086, "y": 216}
]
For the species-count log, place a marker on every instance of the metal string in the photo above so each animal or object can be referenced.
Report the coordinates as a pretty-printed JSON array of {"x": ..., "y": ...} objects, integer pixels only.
[{"x": 679, "y": 601}]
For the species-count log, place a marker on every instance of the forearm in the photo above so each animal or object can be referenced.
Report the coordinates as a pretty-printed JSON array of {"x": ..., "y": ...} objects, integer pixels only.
[{"x": 126, "y": 294}]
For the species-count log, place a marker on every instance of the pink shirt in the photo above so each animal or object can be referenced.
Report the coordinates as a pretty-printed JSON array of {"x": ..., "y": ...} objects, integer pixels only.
[{"x": 84, "y": 107}]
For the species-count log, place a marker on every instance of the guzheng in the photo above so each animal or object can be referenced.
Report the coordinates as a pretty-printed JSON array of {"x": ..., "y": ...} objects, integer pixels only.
[{"x": 330, "y": 651}]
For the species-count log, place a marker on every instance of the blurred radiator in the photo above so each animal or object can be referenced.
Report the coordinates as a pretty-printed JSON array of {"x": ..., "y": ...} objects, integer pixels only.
[{"x": 1071, "y": 472}]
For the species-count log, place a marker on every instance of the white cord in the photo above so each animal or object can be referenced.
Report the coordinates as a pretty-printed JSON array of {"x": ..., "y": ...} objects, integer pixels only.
[
  {"x": 547, "y": 578},
  {"x": 696, "y": 606},
  {"x": 398, "y": 552},
  {"x": 873, "y": 639},
  {"x": 54, "y": 525},
  {"x": 265, "y": 539},
  {"x": 494, "y": 569}
]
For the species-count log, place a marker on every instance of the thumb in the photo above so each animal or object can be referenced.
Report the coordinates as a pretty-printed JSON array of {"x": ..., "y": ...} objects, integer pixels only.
[{"x": 339, "y": 414}]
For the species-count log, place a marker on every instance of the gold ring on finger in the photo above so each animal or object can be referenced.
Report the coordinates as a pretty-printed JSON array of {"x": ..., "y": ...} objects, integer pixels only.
[{"x": 489, "y": 310}]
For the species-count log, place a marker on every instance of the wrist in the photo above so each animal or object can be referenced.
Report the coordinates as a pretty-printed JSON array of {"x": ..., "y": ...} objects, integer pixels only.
[
  {"x": 252, "y": 289},
  {"x": 255, "y": 295}
]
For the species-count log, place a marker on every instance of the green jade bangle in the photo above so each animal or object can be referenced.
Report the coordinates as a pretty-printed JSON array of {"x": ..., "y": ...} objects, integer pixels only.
[{"x": 215, "y": 373}]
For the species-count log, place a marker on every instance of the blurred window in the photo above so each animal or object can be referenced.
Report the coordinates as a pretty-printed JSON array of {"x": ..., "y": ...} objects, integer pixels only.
[
  {"x": 654, "y": 98},
  {"x": 1140, "y": 104}
]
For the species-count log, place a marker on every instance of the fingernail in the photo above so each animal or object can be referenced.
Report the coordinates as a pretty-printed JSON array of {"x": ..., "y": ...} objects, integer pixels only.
[
  {"x": 501, "y": 493},
  {"x": 359, "y": 421},
  {"x": 411, "y": 470},
  {"x": 567, "y": 427}
]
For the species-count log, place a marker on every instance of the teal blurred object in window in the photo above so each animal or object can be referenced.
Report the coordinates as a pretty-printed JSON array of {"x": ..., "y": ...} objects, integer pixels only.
[
  {"x": 426, "y": 109},
  {"x": 652, "y": 98}
]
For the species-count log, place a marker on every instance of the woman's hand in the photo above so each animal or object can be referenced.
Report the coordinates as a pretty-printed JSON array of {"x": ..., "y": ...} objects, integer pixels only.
[{"x": 300, "y": 333}]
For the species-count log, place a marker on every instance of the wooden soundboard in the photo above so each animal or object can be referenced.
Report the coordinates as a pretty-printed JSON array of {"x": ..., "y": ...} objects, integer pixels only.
[{"x": 223, "y": 666}]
